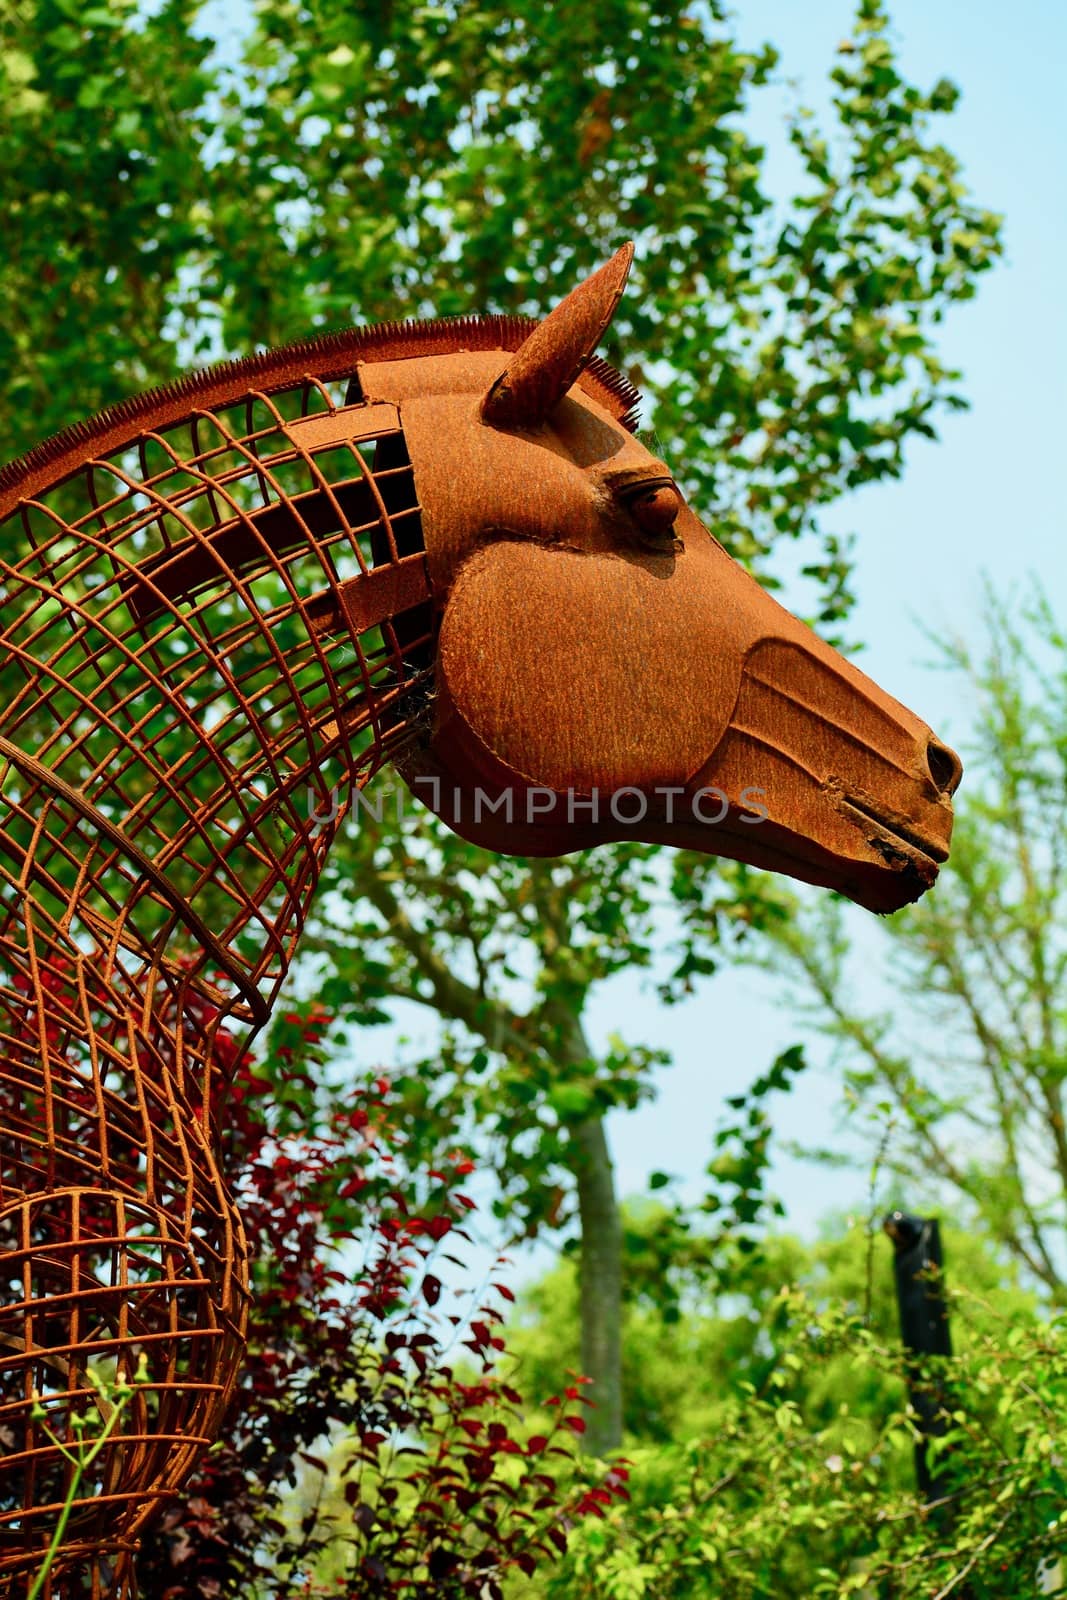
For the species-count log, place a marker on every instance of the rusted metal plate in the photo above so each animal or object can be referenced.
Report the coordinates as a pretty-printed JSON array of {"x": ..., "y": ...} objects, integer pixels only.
[{"x": 387, "y": 592}]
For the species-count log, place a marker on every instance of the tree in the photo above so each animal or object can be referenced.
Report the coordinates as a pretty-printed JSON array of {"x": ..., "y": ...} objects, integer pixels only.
[
  {"x": 370, "y": 161},
  {"x": 508, "y": 956},
  {"x": 409, "y": 160},
  {"x": 101, "y": 172},
  {"x": 968, "y": 1081}
]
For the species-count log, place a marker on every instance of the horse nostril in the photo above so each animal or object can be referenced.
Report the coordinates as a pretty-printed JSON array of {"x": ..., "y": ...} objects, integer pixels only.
[{"x": 945, "y": 766}]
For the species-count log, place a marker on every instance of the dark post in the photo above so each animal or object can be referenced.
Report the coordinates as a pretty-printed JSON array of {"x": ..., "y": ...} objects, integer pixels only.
[{"x": 924, "y": 1328}]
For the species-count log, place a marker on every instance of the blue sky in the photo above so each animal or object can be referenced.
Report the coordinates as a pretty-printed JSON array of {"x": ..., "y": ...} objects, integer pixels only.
[{"x": 986, "y": 498}]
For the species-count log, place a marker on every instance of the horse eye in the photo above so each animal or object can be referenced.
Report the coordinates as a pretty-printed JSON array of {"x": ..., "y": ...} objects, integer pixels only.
[{"x": 655, "y": 508}]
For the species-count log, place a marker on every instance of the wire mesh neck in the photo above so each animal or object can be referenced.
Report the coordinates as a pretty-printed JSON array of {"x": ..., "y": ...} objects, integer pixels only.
[
  {"x": 210, "y": 635},
  {"x": 193, "y": 675}
]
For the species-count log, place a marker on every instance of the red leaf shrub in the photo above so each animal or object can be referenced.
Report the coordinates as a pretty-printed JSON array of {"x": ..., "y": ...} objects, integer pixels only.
[{"x": 430, "y": 1491}]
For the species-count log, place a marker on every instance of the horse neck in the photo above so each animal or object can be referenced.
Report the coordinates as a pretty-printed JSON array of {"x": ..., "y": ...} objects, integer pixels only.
[
  {"x": 172, "y": 803},
  {"x": 184, "y": 853}
]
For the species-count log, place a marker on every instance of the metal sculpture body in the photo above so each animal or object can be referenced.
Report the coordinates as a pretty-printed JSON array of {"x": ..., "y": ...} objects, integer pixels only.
[{"x": 227, "y": 605}]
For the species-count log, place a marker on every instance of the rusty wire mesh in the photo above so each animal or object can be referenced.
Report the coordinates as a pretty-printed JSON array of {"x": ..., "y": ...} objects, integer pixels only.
[
  {"x": 216, "y": 620},
  {"x": 185, "y": 699}
]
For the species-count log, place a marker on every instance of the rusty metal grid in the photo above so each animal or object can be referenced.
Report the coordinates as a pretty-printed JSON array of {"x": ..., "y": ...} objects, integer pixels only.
[{"x": 187, "y": 693}]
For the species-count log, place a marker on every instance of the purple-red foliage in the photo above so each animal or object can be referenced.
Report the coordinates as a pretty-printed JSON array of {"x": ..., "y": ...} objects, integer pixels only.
[{"x": 350, "y": 1338}]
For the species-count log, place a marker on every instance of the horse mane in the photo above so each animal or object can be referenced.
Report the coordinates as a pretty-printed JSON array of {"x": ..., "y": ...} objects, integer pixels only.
[{"x": 326, "y": 357}]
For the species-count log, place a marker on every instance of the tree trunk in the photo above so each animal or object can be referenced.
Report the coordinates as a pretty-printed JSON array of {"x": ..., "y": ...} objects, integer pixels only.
[{"x": 600, "y": 1278}]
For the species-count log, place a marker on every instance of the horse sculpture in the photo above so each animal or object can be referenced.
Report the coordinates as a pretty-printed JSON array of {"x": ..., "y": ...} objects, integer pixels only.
[{"x": 230, "y": 602}]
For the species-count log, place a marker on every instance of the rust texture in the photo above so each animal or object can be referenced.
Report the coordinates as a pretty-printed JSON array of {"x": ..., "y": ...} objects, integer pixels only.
[{"x": 225, "y": 605}]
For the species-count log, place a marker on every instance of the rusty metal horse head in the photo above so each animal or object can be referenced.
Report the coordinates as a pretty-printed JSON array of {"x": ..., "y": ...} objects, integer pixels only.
[
  {"x": 605, "y": 670},
  {"x": 225, "y": 604}
]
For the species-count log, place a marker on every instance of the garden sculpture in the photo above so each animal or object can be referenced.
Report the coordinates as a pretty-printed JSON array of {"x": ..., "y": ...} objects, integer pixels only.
[{"x": 228, "y": 603}]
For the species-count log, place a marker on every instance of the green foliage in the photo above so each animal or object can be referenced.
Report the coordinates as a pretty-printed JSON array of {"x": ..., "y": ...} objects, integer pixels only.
[
  {"x": 729, "y": 1332},
  {"x": 673, "y": 1250},
  {"x": 370, "y": 162},
  {"x": 518, "y": 146},
  {"x": 771, "y": 1448},
  {"x": 771, "y": 1506},
  {"x": 102, "y": 150}
]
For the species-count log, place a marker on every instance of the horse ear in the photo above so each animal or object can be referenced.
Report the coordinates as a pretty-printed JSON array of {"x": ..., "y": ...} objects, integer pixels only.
[{"x": 543, "y": 368}]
